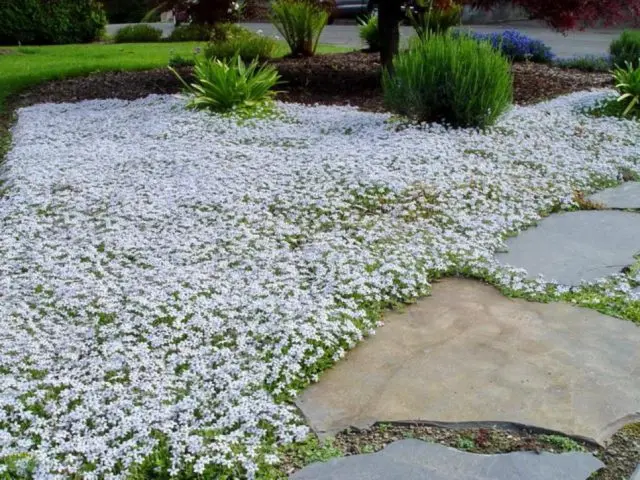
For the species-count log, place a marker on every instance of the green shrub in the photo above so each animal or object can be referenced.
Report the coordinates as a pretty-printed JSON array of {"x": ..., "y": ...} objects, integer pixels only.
[
  {"x": 369, "y": 32},
  {"x": 137, "y": 34},
  {"x": 626, "y": 49},
  {"x": 455, "y": 80},
  {"x": 190, "y": 32},
  {"x": 427, "y": 19},
  {"x": 234, "y": 40},
  {"x": 178, "y": 61},
  {"x": 222, "y": 86},
  {"x": 225, "y": 31},
  {"x": 300, "y": 22},
  {"x": 46, "y": 22},
  {"x": 586, "y": 63},
  {"x": 628, "y": 86}
]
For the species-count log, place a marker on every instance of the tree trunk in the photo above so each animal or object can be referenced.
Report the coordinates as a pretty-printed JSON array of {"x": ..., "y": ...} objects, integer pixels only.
[{"x": 389, "y": 15}]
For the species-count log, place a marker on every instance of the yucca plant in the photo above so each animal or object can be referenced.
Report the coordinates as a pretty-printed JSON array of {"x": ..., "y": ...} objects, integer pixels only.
[
  {"x": 226, "y": 85},
  {"x": 300, "y": 22},
  {"x": 628, "y": 86}
]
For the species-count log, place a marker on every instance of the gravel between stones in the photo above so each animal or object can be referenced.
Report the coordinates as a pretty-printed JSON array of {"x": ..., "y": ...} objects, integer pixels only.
[{"x": 620, "y": 456}]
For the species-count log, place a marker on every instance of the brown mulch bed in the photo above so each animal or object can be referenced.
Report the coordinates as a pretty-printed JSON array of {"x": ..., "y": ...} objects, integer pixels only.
[{"x": 342, "y": 79}]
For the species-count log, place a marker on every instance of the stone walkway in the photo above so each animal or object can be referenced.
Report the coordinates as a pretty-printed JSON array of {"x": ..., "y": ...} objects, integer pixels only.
[
  {"x": 585, "y": 245},
  {"x": 469, "y": 354},
  {"x": 418, "y": 460},
  {"x": 625, "y": 196},
  {"x": 574, "y": 246}
]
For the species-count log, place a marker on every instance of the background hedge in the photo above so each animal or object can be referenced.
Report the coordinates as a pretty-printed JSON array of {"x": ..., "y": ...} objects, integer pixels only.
[{"x": 47, "y": 22}]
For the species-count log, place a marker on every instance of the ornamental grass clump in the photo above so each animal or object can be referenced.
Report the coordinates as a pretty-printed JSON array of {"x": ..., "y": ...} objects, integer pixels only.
[
  {"x": 428, "y": 17},
  {"x": 231, "y": 85},
  {"x": 454, "y": 80},
  {"x": 369, "y": 32},
  {"x": 300, "y": 22},
  {"x": 626, "y": 49}
]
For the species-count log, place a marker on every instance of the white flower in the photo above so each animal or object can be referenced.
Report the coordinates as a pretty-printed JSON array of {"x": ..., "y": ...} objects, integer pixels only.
[{"x": 163, "y": 266}]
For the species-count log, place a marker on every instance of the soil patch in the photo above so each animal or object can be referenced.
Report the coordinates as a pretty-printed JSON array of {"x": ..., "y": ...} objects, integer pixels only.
[
  {"x": 621, "y": 455},
  {"x": 336, "y": 79}
]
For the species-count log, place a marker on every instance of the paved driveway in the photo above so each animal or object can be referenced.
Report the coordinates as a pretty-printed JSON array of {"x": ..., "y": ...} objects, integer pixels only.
[{"x": 574, "y": 43}]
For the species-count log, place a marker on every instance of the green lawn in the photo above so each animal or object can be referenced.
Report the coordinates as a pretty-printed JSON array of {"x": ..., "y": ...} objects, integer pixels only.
[{"x": 22, "y": 67}]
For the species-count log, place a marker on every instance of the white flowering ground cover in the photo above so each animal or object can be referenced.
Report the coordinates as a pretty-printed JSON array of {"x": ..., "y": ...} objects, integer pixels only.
[{"x": 169, "y": 278}]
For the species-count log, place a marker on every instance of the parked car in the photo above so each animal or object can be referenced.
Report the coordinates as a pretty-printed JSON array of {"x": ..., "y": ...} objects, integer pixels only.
[{"x": 352, "y": 8}]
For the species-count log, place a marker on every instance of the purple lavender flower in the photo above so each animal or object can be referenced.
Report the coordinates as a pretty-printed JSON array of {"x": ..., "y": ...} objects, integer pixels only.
[{"x": 517, "y": 46}]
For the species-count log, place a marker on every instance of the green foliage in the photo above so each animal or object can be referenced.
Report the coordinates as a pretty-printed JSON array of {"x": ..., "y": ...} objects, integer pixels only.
[
  {"x": 455, "y": 80},
  {"x": 125, "y": 11},
  {"x": 190, "y": 32},
  {"x": 465, "y": 443},
  {"x": 158, "y": 466},
  {"x": 626, "y": 49},
  {"x": 178, "y": 61},
  {"x": 430, "y": 19},
  {"x": 300, "y": 22},
  {"x": 17, "y": 466},
  {"x": 225, "y": 31},
  {"x": 563, "y": 444},
  {"x": 45, "y": 22},
  {"x": 611, "y": 108},
  {"x": 586, "y": 63},
  {"x": 369, "y": 32},
  {"x": 137, "y": 34},
  {"x": 223, "y": 86},
  {"x": 311, "y": 450},
  {"x": 628, "y": 86},
  {"x": 229, "y": 40}
]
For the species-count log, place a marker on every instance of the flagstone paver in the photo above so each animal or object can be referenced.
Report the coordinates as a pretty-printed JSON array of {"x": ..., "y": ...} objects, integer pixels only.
[
  {"x": 418, "y": 460},
  {"x": 574, "y": 246},
  {"x": 624, "y": 196},
  {"x": 467, "y": 353}
]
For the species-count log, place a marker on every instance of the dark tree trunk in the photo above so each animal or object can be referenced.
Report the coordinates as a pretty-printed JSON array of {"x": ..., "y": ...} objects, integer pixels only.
[{"x": 389, "y": 16}]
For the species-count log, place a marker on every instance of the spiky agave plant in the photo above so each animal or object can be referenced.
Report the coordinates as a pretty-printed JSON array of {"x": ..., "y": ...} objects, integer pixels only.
[
  {"x": 231, "y": 85},
  {"x": 628, "y": 86}
]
